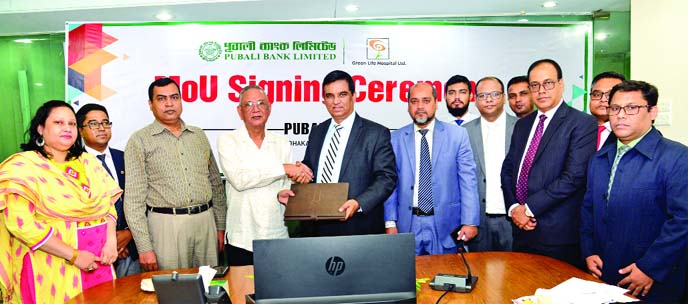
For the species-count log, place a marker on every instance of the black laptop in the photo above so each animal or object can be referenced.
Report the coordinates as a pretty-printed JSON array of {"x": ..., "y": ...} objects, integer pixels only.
[{"x": 344, "y": 269}]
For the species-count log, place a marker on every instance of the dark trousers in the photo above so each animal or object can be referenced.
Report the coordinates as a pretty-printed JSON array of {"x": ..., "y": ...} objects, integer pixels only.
[{"x": 569, "y": 253}]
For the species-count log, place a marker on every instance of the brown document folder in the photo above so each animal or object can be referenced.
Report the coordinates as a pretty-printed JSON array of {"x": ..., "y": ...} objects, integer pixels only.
[{"x": 317, "y": 201}]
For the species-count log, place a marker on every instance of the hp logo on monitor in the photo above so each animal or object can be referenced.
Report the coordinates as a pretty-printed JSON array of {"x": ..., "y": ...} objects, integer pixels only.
[{"x": 335, "y": 266}]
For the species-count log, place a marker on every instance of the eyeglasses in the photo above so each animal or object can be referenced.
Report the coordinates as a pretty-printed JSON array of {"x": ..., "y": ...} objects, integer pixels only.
[
  {"x": 548, "y": 84},
  {"x": 599, "y": 94},
  {"x": 484, "y": 96},
  {"x": 257, "y": 103},
  {"x": 629, "y": 109},
  {"x": 94, "y": 125}
]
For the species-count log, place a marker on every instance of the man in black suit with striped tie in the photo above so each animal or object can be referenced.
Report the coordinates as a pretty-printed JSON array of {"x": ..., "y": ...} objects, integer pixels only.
[{"x": 350, "y": 148}]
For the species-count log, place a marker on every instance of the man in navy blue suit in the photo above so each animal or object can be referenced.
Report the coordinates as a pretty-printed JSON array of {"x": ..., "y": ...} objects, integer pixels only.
[
  {"x": 436, "y": 192},
  {"x": 543, "y": 174},
  {"x": 634, "y": 220},
  {"x": 95, "y": 128},
  {"x": 350, "y": 148}
]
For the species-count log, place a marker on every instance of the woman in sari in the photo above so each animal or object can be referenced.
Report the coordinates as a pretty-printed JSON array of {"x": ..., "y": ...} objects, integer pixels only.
[{"x": 57, "y": 214}]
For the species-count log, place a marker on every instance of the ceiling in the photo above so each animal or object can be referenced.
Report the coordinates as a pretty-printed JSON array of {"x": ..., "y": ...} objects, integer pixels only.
[{"x": 19, "y": 17}]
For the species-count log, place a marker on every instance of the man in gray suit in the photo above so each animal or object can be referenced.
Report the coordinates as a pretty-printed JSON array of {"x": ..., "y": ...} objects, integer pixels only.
[{"x": 490, "y": 137}]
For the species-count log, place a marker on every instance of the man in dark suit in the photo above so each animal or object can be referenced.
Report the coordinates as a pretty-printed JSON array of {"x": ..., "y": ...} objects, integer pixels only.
[
  {"x": 490, "y": 136},
  {"x": 350, "y": 148},
  {"x": 543, "y": 175},
  {"x": 634, "y": 219},
  {"x": 94, "y": 127}
]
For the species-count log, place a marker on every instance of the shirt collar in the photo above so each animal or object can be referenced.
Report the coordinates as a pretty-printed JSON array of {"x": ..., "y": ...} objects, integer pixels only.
[
  {"x": 158, "y": 128},
  {"x": 607, "y": 125},
  {"x": 634, "y": 142},
  {"x": 551, "y": 111},
  {"x": 500, "y": 121},
  {"x": 347, "y": 123},
  {"x": 96, "y": 152}
]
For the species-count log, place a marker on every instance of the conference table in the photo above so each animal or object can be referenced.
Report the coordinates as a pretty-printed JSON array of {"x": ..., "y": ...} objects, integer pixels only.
[{"x": 503, "y": 276}]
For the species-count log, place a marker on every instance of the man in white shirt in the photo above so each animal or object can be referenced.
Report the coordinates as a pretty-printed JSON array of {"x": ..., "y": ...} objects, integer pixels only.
[
  {"x": 602, "y": 84},
  {"x": 258, "y": 168},
  {"x": 95, "y": 129},
  {"x": 490, "y": 137}
]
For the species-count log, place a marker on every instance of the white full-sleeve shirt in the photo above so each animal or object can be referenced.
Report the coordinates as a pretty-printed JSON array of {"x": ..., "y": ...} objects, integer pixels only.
[{"x": 254, "y": 177}]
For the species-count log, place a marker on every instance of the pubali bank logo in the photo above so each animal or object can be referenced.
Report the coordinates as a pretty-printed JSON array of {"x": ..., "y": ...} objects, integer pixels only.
[
  {"x": 210, "y": 51},
  {"x": 378, "y": 49}
]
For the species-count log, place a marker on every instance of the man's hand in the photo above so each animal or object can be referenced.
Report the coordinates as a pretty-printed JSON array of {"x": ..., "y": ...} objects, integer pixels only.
[
  {"x": 349, "y": 208},
  {"x": 521, "y": 220},
  {"x": 391, "y": 230},
  {"x": 148, "y": 261},
  {"x": 220, "y": 240},
  {"x": 123, "y": 239},
  {"x": 594, "y": 264},
  {"x": 466, "y": 233},
  {"x": 284, "y": 195},
  {"x": 298, "y": 172},
  {"x": 638, "y": 282}
]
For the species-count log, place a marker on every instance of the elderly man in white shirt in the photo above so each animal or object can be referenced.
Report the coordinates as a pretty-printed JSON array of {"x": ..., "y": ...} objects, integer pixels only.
[{"x": 259, "y": 172}]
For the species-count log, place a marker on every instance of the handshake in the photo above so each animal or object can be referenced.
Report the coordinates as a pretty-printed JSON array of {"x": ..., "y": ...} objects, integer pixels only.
[{"x": 298, "y": 172}]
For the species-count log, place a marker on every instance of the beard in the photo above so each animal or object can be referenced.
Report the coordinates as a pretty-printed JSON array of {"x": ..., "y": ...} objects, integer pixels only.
[
  {"x": 423, "y": 120},
  {"x": 458, "y": 112}
]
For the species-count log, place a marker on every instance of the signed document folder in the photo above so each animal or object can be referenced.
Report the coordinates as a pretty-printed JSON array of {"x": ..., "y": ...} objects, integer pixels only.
[{"x": 317, "y": 201}]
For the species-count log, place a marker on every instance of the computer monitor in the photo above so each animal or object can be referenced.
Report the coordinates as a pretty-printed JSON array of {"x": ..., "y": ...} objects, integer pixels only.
[
  {"x": 343, "y": 269},
  {"x": 179, "y": 288}
]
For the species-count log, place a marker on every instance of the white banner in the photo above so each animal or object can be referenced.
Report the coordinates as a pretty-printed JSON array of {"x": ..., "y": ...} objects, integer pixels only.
[{"x": 113, "y": 64}]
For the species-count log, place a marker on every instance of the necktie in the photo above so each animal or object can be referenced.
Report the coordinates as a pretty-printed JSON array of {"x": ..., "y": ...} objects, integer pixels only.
[
  {"x": 425, "y": 175},
  {"x": 331, "y": 155},
  {"x": 600, "y": 129},
  {"x": 101, "y": 157},
  {"x": 620, "y": 151},
  {"x": 522, "y": 184},
  {"x": 459, "y": 121}
]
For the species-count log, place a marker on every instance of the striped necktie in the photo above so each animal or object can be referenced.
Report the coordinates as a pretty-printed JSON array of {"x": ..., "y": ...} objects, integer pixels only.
[
  {"x": 620, "y": 151},
  {"x": 331, "y": 155},
  {"x": 424, "y": 175}
]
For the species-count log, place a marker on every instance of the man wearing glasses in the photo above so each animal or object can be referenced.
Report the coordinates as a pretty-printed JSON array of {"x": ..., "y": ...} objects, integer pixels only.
[
  {"x": 543, "y": 174},
  {"x": 634, "y": 219},
  {"x": 257, "y": 164},
  {"x": 490, "y": 137},
  {"x": 599, "y": 100},
  {"x": 95, "y": 128}
]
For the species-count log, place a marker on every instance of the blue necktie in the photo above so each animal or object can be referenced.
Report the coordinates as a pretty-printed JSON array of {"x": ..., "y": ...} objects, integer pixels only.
[
  {"x": 102, "y": 161},
  {"x": 425, "y": 175}
]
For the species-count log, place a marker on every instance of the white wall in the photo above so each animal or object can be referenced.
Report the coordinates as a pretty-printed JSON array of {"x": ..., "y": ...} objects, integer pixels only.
[{"x": 659, "y": 55}]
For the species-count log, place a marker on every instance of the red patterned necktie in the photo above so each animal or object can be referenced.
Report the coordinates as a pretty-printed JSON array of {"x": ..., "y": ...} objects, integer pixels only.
[
  {"x": 522, "y": 183},
  {"x": 600, "y": 129}
]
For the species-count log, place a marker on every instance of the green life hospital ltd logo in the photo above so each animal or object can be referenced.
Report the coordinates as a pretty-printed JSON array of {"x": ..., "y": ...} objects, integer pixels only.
[
  {"x": 210, "y": 51},
  {"x": 378, "y": 49}
]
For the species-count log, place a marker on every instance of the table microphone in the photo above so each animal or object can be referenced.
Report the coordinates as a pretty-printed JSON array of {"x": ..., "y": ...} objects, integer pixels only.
[{"x": 452, "y": 282}]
